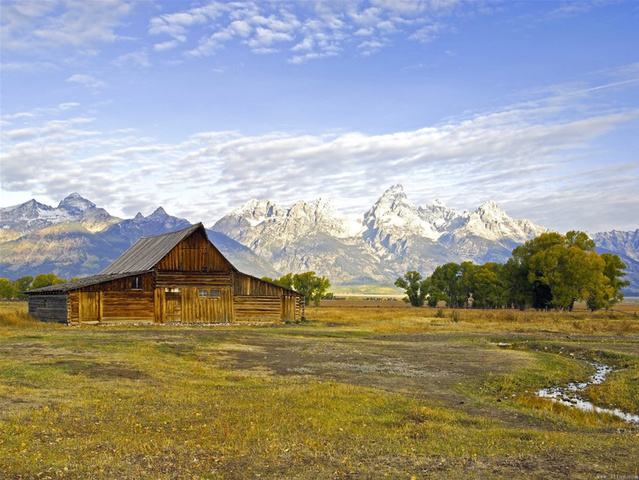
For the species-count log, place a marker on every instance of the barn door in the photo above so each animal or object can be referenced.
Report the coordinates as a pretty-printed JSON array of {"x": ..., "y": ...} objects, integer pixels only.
[
  {"x": 207, "y": 305},
  {"x": 173, "y": 305},
  {"x": 89, "y": 306}
]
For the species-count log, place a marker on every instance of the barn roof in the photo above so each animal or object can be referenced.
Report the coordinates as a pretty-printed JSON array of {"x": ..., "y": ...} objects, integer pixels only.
[
  {"x": 83, "y": 282},
  {"x": 148, "y": 251}
]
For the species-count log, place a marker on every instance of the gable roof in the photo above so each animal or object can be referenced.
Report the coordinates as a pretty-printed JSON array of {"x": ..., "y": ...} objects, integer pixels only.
[
  {"x": 82, "y": 282},
  {"x": 148, "y": 251}
]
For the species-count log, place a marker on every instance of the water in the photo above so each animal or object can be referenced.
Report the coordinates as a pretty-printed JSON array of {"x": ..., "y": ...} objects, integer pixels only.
[{"x": 569, "y": 395}]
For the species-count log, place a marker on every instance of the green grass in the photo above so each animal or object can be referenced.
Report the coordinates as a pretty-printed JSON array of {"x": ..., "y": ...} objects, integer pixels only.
[{"x": 338, "y": 397}]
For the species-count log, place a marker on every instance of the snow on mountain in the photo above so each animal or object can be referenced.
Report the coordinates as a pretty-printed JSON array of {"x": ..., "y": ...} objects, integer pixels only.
[
  {"x": 620, "y": 242},
  {"x": 393, "y": 235},
  {"x": 32, "y": 215},
  {"x": 70, "y": 250},
  {"x": 393, "y": 217},
  {"x": 262, "y": 225},
  {"x": 491, "y": 222},
  {"x": 626, "y": 245},
  {"x": 304, "y": 236}
]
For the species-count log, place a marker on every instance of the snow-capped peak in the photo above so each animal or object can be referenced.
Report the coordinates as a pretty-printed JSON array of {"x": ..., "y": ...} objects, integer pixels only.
[
  {"x": 158, "y": 212},
  {"x": 393, "y": 214},
  {"x": 76, "y": 202},
  {"x": 491, "y": 222}
]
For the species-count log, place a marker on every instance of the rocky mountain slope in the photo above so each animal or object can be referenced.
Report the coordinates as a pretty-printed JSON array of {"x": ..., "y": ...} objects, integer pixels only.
[
  {"x": 66, "y": 240},
  {"x": 393, "y": 236},
  {"x": 263, "y": 238},
  {"x": 31, "y": 216},
  {"x": 626, "y": 245}
]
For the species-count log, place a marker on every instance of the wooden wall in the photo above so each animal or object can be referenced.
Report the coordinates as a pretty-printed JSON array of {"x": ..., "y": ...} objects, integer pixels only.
[
  {"x": 48, "y": 308},
  {"x": 257, "y": 300},
  {"x": 254, "y": 308},
  {"x": 165, "y": 279},
  {"x": 195, "y": 254}
]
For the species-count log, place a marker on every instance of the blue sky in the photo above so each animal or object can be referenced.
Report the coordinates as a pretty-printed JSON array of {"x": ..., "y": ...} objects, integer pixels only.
[{"x": 200, "y": 106}]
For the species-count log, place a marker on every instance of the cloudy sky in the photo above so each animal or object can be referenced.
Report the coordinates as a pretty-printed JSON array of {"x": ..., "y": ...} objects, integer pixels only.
[{"x": 199, "y": 106}]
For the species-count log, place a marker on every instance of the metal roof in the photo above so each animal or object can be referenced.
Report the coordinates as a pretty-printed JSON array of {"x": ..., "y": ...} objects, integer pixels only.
[
  {"x": 148, "y": 251},
  {"x": 83, "y": 282}
]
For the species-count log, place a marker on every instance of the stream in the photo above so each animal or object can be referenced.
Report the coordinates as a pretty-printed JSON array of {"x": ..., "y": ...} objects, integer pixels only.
[{"x": 569, "y": 395}]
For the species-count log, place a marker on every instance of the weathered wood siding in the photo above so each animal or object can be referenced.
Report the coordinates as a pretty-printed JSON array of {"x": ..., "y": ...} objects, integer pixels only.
[
  {"x": 127, "y": 305},
  {"x": 247, "y": 285},
  {"x": 192, "y": 279},
  {"x": 256, "y": 300},
  {"x": 195, "y": 254},
  {"x": 253, "y": 308},
  {"x": 48, "y": 308},
  {"x": 113, "y": 301},
  {"x": 194, "y": 305}
]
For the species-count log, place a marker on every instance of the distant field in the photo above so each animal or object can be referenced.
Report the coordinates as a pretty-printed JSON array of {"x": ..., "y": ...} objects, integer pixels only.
[{"x": 364, "y": 389}]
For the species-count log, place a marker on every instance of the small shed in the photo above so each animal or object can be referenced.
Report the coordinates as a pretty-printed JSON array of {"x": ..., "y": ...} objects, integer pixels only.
[{"x": 177, "y": 277}]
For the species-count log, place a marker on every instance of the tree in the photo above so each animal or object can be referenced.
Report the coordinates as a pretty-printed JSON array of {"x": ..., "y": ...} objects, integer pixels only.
[
  {"x": 445, "y": 284},
  {"x": 23, "y": 284},
  {"x": 311, "y": 286},
  {"x": 7, "y": 289},
  {"x": 415, "y": 288},
  {"x": 46, "y": 279},
  {"x": 563, "y": 269},
  {"x": 285, "y": 281},
  {"x": 486, "y": 283},
  {"x": 614, "y": 272}
]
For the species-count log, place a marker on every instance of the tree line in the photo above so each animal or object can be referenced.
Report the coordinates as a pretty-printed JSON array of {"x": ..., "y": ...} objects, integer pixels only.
[
  {"x": 14, "y": 289},
  {"x": 549, "y": 271},
  {"x": 309, "y": 284}
]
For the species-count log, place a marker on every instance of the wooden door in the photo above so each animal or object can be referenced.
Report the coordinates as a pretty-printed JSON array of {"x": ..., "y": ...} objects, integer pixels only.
[
  {"x": 207, "y": 305},
  {"x": 173, "y": 305},
  {"x": 89, "y": 306}
]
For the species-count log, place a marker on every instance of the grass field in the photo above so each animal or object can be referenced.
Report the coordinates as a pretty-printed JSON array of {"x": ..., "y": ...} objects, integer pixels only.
[{"x": 362, "y": 390}]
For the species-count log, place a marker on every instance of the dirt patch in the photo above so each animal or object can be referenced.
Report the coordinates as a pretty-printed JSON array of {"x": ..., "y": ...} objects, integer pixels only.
[{"x": 98, "y": 370}]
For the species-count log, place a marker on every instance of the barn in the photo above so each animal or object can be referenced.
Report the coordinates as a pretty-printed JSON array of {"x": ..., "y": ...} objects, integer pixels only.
[{"x": 177, "y": 277}]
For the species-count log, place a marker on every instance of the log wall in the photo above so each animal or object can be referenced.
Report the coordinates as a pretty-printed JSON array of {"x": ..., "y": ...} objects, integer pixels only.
[
  {"x": 48, "y": 308},
  {"x": 254, "y": 308}
]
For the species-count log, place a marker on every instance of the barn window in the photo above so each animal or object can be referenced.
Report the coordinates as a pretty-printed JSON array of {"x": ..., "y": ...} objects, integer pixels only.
[
  {"x": 136, "y": 283},
  {"x": 214, "y": 293},
  {"x": 202, "y": 292},
  {"x": 172, "y": 290}
]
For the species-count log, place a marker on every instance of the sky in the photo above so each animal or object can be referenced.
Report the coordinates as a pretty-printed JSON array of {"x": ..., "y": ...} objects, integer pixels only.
[{"x": 199, "y": 106}]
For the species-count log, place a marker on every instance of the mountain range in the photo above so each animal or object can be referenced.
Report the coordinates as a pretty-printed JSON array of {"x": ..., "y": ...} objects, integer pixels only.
[{"x": 264, "y": 238}]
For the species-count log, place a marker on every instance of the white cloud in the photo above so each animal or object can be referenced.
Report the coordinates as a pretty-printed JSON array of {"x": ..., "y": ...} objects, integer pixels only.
[
  {"x": 28, "y": 25},
  {"x": 88, "y": 81},
  {"x": 523, "y": 155},
  {"x": 315, "y": 30},
  {"x": 139, "y": 58}
]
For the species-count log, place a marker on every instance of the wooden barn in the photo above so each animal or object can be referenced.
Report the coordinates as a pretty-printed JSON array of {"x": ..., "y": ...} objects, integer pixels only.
[{"x": 176, "y": 277}]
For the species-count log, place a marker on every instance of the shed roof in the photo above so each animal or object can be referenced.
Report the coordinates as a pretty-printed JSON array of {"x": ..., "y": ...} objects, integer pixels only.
[
  {"x": 148, "y": 251},
  {"x": 83, "y": 282}
]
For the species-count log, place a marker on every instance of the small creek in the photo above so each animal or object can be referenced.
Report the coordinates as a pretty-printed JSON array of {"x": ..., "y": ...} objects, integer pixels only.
[{"x": 569, "y": 395}]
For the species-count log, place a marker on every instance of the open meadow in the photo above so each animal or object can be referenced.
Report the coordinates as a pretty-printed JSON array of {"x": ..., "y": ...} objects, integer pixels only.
[{"x": 362, "y": 389}]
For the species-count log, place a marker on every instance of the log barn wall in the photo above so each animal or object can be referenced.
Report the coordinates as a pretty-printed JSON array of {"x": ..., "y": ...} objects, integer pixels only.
[{"x": 49, "y": 308}]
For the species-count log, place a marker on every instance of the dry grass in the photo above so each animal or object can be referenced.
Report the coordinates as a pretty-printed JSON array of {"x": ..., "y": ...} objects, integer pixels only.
[
  {"x": 357, "y": 392},
  {"x": 398, "y": 318},
  {"x": 14, "y": 314}
]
